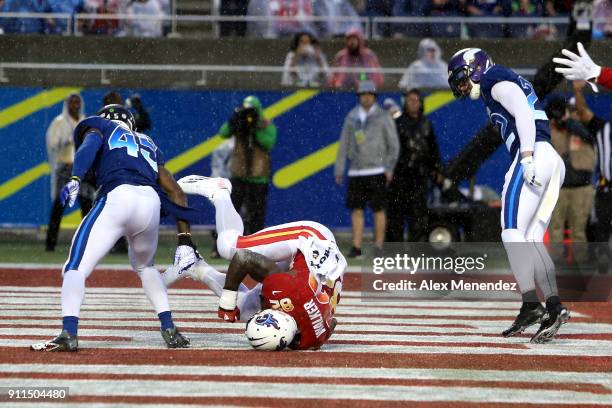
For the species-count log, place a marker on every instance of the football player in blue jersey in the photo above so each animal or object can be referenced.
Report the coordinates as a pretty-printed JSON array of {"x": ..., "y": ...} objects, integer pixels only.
[
  {"x": 133, "y": 187},
  {"x": 531, "y": 186}
]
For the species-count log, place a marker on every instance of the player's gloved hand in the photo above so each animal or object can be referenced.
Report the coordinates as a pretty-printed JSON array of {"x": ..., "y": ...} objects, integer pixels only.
[
  {"x": 229, "y": 315},
  {"x": 228, "y": 310},
  {"x": 529, "y": 171},
  {"x": 578, "y": 66},
  {"x": 186, "y": 254},
  {"x": 70, "y": 191}
]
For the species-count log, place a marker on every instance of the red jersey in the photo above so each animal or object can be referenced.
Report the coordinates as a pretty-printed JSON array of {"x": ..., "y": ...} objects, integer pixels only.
[
  {"x": 605, "y": 77},
  {"x": 296, "y": 295}
]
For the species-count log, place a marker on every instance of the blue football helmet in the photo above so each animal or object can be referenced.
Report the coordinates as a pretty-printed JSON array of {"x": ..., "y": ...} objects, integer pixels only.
[
  {"x": 118, "y": 112},
  {"x": 467, "y": 64}
]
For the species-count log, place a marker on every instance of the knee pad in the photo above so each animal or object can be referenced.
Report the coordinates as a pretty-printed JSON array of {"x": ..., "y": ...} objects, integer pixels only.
[{"x": 226, "y": 243}]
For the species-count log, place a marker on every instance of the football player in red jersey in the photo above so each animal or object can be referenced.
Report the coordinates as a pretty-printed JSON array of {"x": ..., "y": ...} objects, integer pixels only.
[{"x": 298, "y": 264}]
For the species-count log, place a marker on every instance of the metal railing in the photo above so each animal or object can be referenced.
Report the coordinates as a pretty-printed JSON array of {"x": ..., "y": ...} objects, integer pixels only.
[
  {"x": 73, "y": 23},
  {"x": 202, "y": 69}
]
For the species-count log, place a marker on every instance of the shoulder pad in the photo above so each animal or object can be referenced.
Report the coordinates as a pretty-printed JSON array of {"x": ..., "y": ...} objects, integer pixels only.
[{"x": 92, "y": 122}]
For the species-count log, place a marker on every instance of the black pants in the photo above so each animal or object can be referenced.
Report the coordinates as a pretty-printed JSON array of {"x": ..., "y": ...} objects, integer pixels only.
[
  {"x": 250, "y": 200},
  {"x": 603, "y": 211},
  {"x": 407, "y": 202},
  {"x": 57, "y": 209}
]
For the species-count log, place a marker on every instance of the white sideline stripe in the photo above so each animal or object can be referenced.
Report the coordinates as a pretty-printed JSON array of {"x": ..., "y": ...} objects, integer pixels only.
[
  {"x": 118, "y": 267},
  {"x": 40, "y": 404},
  {"x": 602, "y": 346},
  {"x": 211, "y": 315},
  {"x": 200, "y": 342},
  {"x": 208, "y": 297},
  {"x": 552, "y": 377},
  {"x": 318, "y": 391},
  {"x": 209, "y": 310},
  {"x": 574, "y": 328},
  {"x": 152, "y": 340}
]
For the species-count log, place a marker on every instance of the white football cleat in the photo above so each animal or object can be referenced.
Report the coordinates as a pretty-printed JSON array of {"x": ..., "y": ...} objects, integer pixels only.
[{"x": 204, "y": 186}]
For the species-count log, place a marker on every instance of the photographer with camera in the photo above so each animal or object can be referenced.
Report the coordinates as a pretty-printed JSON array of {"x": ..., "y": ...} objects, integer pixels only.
[
  {"x": 250, "y": 166},
  {"x": 575, "y": 146}
]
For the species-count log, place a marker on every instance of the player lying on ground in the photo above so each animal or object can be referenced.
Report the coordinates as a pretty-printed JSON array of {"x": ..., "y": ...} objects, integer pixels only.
[
  {"x": 531, "y": 186},
  {"x": 133, "y": 182},
  {"x": 308, "y": 291}
]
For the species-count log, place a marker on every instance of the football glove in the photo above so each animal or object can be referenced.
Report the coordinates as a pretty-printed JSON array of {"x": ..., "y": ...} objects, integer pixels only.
[
  {"x": 70, "y": 191},
  {"x": 529, "y": 171},
  {"x": 229, "y": 315},
  {"x": 228, "y": 310},
  {"x": 578, "y": 66},
  {"x": 186, "y": 254}
]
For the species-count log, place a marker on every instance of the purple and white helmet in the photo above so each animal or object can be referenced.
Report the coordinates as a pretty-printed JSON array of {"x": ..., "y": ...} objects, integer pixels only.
[{"x": 467, "y": 64}]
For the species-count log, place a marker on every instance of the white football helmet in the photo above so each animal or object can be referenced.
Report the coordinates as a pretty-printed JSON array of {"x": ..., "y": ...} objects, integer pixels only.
[{"x": 270, "y": 330}]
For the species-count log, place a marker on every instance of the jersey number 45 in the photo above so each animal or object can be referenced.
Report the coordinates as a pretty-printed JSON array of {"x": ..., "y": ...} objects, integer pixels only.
[{"x": 125, "y": 138}]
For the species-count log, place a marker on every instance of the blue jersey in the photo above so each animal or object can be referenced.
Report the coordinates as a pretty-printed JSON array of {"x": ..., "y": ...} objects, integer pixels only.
[
  {"x": 122, "y": 156},
  {"x": 501, "y": 117}
]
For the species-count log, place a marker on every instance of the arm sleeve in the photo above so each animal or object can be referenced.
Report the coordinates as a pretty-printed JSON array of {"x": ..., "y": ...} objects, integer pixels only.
[
  {"x": 266, "y": 137},
  {"x": 392, "y": 141},
  {"x": 512, "y": 98},
  {"x": 86, "y": 154},
  {"x": 605, "y": 77},
  {"x": 342, "y": 150}
]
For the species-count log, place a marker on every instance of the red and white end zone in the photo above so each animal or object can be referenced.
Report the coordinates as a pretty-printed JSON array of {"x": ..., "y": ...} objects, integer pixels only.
[{"x": 444, "y": 354}]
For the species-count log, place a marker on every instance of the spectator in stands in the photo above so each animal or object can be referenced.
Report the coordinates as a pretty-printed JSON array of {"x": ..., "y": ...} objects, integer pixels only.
[
  {"x": 602, "y": 10},
  {"x": 60, "y": 153},
  {"x": 369, "y": 140},
  {"x": 443, "y": 8},
  {"x": 64, "y": 6},
  {"x": 271, "y": 9},
  {"x": 233, "y": 8},
  {"x": 333, "y": 26},
  {"x": 558, "y": 7},
  {"x": 408, "y": 8},
  {"x": 306, "y": 57},
  {"x": 102, "y": 25},
  {"x": 525, "y": 8},
  {"x": 28, "y": 25},
  {"x": 429, "y": 71},
  {"x": 355, "y": 55},
  {"x": 489, "y": 8},
  {"x": 144, "y": 27},
  {"x": 573, "y": 142},
  {"x": 380, "y": 8}
]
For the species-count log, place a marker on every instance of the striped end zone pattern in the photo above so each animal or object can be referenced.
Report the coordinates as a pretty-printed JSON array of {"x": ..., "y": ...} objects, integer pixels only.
[{"x": 443, "y": 354}]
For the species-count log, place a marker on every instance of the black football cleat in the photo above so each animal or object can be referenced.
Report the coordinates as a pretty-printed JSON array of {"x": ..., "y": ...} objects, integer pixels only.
[
  {"x": 174, "y": 339},
  {"x": 551, "y": 324},
  {"x": 525, "y": 318},
  {"x": 64, "y": 342}
]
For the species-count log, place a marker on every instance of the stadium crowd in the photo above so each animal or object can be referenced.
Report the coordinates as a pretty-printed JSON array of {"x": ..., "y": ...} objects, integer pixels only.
[{"x": 323, "y": 18}]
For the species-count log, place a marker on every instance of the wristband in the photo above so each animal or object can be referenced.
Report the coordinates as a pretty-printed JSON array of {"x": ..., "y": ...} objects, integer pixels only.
[{"x": 227, "y": 301}]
